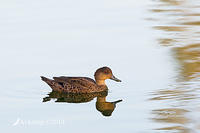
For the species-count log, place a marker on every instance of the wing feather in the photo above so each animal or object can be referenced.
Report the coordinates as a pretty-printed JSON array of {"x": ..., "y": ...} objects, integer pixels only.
[{"x": 82, "y": 82}]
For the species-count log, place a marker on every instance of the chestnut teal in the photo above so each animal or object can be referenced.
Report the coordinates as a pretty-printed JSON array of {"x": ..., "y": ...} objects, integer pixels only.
[{"x": 82, "y": 84}]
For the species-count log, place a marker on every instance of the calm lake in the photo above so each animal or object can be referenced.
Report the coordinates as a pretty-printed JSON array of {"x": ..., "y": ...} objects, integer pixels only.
[{"x": 153, "y": 46}]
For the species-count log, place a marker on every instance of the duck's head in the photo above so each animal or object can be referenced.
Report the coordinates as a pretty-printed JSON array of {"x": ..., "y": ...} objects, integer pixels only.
[{"x": 104, "y": 73}]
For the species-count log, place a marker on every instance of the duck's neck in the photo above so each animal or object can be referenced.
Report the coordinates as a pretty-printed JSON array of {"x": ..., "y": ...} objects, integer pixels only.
[
  {"x": 101, "y": 99},
  {"x": 100, "y": 82}
]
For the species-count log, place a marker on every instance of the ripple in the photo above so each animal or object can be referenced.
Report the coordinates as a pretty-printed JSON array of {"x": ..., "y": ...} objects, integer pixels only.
[
  {"x": 194, "y": 23},
  {"x": 177, "y": 22}
]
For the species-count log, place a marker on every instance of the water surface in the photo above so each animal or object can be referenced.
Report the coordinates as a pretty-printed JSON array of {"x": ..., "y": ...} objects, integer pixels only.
[{"x": 152, "y": 46}]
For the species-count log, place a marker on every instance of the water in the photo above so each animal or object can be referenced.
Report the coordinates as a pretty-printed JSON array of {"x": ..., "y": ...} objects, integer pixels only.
[
  {"x": 178, "y": 23},
  {"x": 152, "y": 46}
]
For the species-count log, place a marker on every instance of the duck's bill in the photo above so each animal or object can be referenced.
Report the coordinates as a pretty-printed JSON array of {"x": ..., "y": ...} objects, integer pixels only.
[{"x": 115, "y": 79}]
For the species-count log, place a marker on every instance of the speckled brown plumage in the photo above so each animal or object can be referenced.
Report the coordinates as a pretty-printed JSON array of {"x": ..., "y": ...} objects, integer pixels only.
[{"x": 74, "y": 84}]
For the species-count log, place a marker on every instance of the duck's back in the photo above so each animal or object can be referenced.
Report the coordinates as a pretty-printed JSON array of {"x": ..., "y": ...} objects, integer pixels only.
[
  {"x": 73, "y": 84},
  {"x": 74, "y": 79}
]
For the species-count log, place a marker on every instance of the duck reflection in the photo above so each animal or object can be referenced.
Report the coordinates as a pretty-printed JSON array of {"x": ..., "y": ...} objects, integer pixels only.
[
  {"x": 103, "y": 106},
  {"x": 106, "y": 108}
]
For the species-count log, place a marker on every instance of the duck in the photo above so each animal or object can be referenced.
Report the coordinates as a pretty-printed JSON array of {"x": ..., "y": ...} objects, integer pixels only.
[{"x": 65, "y": 84}]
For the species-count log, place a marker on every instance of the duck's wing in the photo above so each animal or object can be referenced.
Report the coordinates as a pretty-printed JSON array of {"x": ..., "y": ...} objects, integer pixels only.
[
  {"x": 74, "y": 84},
  {"x": 76, "y": 81}
]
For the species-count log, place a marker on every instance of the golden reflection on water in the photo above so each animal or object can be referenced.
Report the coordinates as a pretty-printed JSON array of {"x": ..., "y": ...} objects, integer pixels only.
[
  {"x": 189, "y": 57},
  {"x": 179, "y": 23},
  {"x": 102, "y": 105}
]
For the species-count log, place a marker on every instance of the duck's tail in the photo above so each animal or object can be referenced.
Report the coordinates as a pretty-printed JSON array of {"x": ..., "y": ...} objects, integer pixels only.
[
  {"x": 44, "y": 78},
  {"x": 48, "y": 81},
  {"x": 52, "y": 83}
]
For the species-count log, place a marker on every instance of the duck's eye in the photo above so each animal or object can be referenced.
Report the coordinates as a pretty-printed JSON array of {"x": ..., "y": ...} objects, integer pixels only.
[{"x": 106, "y": 72}]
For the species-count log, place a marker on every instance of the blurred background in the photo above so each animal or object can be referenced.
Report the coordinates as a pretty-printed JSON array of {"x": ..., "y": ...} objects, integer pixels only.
[{"x": 153, "y": 46}]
